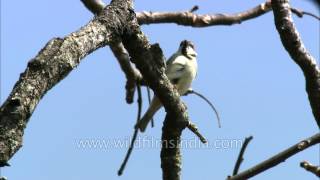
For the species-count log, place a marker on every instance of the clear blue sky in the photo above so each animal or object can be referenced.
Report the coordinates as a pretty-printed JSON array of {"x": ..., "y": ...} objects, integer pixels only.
[{"x": 243, "y": 69}]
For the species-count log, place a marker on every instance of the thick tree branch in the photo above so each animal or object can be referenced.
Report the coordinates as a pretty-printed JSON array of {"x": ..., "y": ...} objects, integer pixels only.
[
  {"x": 277, "y": 159},
  {"x": 151, "y": 63},
  {"x": 311, "y": 168},
  {"x": 54, "y": 62},
  {"x": 293, "y": 44},
  {"x": 131, "y": 73}
]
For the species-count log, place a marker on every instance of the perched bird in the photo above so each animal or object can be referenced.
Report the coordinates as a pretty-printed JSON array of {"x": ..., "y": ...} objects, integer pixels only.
[{"x": 181, "y": 70}]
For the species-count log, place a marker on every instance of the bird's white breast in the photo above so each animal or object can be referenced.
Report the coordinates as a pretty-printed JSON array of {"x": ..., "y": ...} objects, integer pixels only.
[{"x": 188, "y": 75}]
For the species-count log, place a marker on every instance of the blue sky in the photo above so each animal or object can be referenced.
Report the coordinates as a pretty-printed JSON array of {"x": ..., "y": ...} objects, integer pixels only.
[{"x": 243, "y": 69}]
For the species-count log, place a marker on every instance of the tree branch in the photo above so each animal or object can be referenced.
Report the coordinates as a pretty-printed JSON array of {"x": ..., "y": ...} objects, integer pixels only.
[
  {"x": 300, "y": 13},
  {"x": 277, "y": 159},
  {"x": 135, "y": 133},
  {"x": 132, "y": 74},
  {"x": 240, "y": 157},
  {"x": 189, "y": 19},
  {"x": 150, "y": 61},
  {"x": 54, "y": 62},
  {"x": 293, "y": 44},
  {"x": 311, "y": 168},
  {"x": 95, "y": 6}
]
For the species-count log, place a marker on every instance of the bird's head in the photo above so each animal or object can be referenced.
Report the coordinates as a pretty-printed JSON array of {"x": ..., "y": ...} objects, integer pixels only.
[{"x": 187, "y": 49}]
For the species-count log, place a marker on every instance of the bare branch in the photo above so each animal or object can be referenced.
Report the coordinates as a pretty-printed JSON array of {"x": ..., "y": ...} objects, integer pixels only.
[
  {"x": 149, "y": 100},
  {"x": 95, "y": 6},
  {"x": 135, "y": 133},
  {"x": 277, "y": 159},
  {"x": 240, "y": 157},
  {"x": 300, "y": 13},
  {"x": 311, "y": 168},
  {"x": 293, "y": 44},
  {"x": 189, "y": 19},
  {"x": 193, "y": 128},
  {"x": 194, "y": 8},
  {"x": 132, "y": 74},
  {"x": 54, "y": 62},
  {"x": 150, "y": 61}
]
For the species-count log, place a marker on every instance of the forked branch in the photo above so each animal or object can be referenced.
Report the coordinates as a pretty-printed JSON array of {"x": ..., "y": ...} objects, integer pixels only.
[{"x": 277, "y": 159}]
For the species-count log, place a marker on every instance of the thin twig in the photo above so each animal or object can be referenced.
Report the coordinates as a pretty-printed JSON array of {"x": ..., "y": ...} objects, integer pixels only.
[
  {"x": 95, "y": 6},
  {"x": 240, "y": 157},
  {"x": 131, "y": 73},
  {"x": 210, "y": 104},
  {"x": 300, "y": 13},
  {"x": 149, "y": 99},
  {"x": 194, "y": 8},
  {"x": 277, "y": 159},
  {"x": 135, "y": 133},
  {"x": 311, "y": 168},
  {"x": 193, "y": 128}
]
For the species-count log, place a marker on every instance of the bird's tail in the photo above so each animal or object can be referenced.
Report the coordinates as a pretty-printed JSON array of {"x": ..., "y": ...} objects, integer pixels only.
[{"x": 154, "y": 107}]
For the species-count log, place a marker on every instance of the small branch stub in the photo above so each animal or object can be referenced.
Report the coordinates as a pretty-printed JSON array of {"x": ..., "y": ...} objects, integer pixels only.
[{"x": 311, "y": 168}]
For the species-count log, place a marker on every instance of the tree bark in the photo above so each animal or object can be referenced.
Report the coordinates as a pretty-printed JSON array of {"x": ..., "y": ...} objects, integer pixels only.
[
  {"x": 292, "y": 42},
  {"x": 54, "y": 62},
  {"x": 116, "y": 23}
]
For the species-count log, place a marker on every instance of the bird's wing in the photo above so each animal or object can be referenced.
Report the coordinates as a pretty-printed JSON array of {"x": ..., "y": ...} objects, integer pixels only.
[
  {"x": 171, "y": 59},
  {"x": 175, "y": 67}
]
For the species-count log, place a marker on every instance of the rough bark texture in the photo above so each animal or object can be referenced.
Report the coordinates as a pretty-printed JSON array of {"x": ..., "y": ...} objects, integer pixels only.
[
  {"x": 131, "y": 73},
  {"x": 149, "y": 60},
  {"x": 293, "y": 44},
  {"x": 170, "y": 151},
  {"x": 277, "y": 159},
  {"x": 51, "y": 65},
  {"x": 116, "y": 23}
]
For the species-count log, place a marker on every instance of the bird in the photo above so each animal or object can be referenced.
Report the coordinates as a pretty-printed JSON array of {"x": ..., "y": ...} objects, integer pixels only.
[{"x": 181, "y": 70}]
